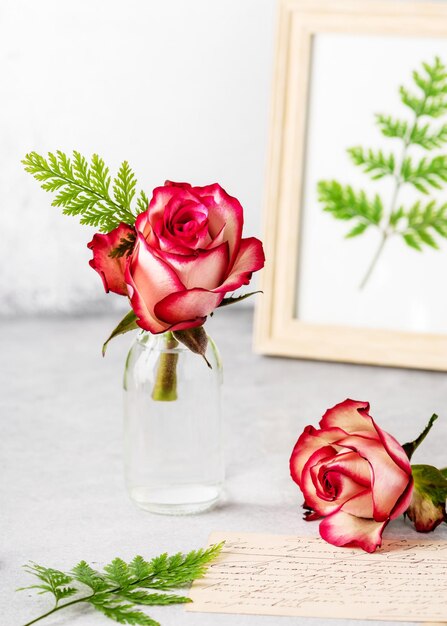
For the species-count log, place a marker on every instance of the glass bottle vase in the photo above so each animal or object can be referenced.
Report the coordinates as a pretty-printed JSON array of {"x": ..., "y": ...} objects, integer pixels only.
[{"x": 173, "y": 453}]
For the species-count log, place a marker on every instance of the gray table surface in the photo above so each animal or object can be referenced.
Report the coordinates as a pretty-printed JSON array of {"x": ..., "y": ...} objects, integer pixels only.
[{"x": 62, "y": 492}]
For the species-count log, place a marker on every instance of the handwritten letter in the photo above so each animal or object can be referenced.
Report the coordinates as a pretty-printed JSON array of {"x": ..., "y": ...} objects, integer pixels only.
[{"x": 301, "y": 576}]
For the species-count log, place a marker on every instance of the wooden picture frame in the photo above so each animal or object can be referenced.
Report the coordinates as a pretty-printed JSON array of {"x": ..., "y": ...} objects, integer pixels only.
[{"x": 277, "y": 330}]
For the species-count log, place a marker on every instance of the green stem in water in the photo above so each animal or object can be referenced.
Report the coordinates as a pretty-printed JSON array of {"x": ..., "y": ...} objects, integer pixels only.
[{"x": 165, "y": 387}]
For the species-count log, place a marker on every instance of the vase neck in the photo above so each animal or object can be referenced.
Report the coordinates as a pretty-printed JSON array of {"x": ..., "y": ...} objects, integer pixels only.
[{"x": 161, "y": 341}]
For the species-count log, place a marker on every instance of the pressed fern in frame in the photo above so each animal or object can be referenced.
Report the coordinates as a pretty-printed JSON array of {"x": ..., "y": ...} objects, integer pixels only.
[{"x": 416, "y": 225}]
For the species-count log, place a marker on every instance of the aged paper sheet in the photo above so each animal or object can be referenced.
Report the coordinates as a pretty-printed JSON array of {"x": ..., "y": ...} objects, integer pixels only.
[{"x": 302, "y": 576}]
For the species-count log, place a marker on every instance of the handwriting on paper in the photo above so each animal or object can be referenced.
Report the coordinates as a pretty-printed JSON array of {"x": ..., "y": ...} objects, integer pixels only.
[{"x": 301, "y": 576}]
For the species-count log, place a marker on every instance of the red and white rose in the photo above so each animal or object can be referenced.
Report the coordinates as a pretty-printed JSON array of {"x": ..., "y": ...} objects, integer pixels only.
[
  {"x": 352, "y": 474},
  {"x": 188, "y": 253}
]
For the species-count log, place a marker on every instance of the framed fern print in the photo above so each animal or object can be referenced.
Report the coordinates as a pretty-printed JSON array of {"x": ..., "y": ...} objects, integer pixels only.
[{"x": 356, "y": 206}]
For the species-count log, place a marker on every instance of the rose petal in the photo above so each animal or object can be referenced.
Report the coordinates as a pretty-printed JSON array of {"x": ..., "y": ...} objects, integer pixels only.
[
  {"x": 352, "y": 465},
  {"x": 161, "y": 196},
  {"x": 204, "y": 270},
  {"x": 310, "y": 441},
  {"x": 389, "y": 480},
  {"x": 187, "y": 305},
  {"x": 224, "y": 211},
  {"x": 350, "y": 415},
  {"x": 149, "y": 280},
  {"x": 110, "y": 269},
  {"x": 394, "y": 449},
  {"x": 197, "y": 321},
  {"x": 331, "y": 485},
  {"x": 142, "y": 224},
  {"x": 361, "y": 505},
  {"x": 343, "y": 529},
  {"x": 249, "y": 259},
  {"x": 404, "y": 501},
  {"x": 321, "y": 506}
]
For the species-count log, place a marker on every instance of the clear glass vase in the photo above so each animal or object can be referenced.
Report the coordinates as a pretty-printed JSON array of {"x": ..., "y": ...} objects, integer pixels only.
[{"x": 172, "y": 426}]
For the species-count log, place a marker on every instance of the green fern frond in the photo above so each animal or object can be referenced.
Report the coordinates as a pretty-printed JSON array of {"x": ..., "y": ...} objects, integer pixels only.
[
  {"x": 142, "y": 202},
  {"x": 377, "y": 164},
  {"x": 121, "y": 612},
  {"x": 391, "y": 127},
  {"x": 118, "y": 573},
  {"x": 420, "y": 225},
  {"x": 433, "y": 100},
  {"x": 423, "y": 222},
  {"x": 428, "y": 139},
  {"x": 84, "y": 189},
  {"x": 121, "y": 586},
  {"x": 52, "y": 581},
  {"x": 344, "y": 203},
  {"x": 426, "y": 173},
  {"x": 153, "y": 599}
]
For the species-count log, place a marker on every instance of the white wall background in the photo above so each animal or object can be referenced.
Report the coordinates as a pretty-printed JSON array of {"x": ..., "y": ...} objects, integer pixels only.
[{"x": 179, "y": 88}]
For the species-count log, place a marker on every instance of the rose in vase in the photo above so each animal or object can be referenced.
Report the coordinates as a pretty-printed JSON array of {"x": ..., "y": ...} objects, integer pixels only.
[{"x": 184, "y": 255}]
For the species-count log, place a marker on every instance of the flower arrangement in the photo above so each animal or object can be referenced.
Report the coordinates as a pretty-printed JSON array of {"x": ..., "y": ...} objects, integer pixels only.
[
  {"x": 175, "y": 258},
  {"x": 356, "y": 478}
]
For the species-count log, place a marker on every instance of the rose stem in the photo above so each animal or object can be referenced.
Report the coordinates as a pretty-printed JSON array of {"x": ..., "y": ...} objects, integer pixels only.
[{"x": 165, "y": 387}]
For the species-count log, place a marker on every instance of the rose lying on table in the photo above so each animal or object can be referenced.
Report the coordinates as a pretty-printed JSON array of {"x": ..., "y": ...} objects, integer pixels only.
[{"x": 357, "y": 477}]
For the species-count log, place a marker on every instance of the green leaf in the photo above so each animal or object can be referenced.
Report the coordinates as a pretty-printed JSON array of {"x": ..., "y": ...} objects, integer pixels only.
[
  {"x": 235, "y": 299},
  {"x": 121, "y": 612},
  {"x": 142, "y": 202},
  {"x": 179, "y": 570},
  {"x": 124, "y": 186},
  {"x": 53, "y": 581},
  {"x": 357, "y": 230},
  {"x": 396, "y": 216},
  {"x": 412, "y": 446},
  {"x": 128, "y": 323},
  {"x": 427, "y": 507},
  {"x": 153, "y": 599},
  {"x": 427, "y": 173},
  {"x": 431, "y": 81},
  {"x": 122, "y": 586},
  {"x": 411, "y": 241},
  {"x": 195, "y": 339},
  {"x": 422, "y": 135},
  {"x": 343, "y": 203},
  {"x": 430, "y": 481},
  {"x": 118, "y": 573},
  {"x": 391, "y": 127},
  {"x": 139, "y": 568},
  {"x": 422, "y": 222},
  {"x": 83, "y": 188},
  {"x": 444, "y": 471},
  {"x": 377, "y": 164},
  {"x": 86, "y": 575}
]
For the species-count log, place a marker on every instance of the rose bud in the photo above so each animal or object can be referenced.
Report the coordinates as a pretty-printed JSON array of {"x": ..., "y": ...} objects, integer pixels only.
[
  {"x": 107, "y": 262},
  {"x": 427, "y": 506},
  {"x": 352, "y": 474}
]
